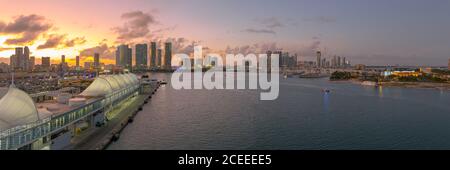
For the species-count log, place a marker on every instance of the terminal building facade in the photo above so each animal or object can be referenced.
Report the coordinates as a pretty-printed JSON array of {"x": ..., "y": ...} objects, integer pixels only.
[{"x": 25, "y": 124}]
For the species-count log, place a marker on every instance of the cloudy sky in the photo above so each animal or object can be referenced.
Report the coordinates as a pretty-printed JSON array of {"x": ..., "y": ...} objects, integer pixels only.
[{"x": 412, "y": 32}]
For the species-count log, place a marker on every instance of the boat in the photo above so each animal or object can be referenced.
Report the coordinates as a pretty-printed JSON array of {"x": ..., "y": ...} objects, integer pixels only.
[
  {"x": 326, "y": 90},
  {"x": 369, "y": 83},
  {"x": 163, "y": 82}
]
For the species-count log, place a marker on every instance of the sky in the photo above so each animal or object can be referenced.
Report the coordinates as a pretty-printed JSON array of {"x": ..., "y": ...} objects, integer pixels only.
[{"x": 381, "y": 32}]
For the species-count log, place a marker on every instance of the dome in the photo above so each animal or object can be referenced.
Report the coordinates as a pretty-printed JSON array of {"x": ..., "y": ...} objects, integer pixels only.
[
  {"x": 17, "y": 108},
  {"x": 110, "y": 83},
  {"x": 99, "y": 87}
]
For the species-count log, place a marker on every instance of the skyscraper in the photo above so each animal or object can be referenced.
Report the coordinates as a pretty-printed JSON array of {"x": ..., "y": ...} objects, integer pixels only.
[
  {"x": 339, "y": 61},
  {"x": 344, "y": 62},
  {"x": 448, "y": 64},
  {"x": 96, "y": 60},
  {"x": 118, "y": 57},
  {"x": 26, "y": 59},
  {"x": 153, "y": 55},
  {"x": 63, "y": 59},
  {"x": 45, "y": 62},
  {"x": 159, "y": 64},
  {"x": 141, "y": 56},
  {"x": 18, "y": 59},
  {"x": 168, "y": 55},
  {"x": 319, "y": 60},
  {"x": 31, "y": 63},
  {"x": 12, "y": 62},
  {"x": 123, "y": 53},
  {"x": 77, "y": 58}
]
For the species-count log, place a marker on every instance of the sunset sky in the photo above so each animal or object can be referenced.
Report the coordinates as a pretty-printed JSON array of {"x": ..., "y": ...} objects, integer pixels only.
[{"x": 373, "y": 32}]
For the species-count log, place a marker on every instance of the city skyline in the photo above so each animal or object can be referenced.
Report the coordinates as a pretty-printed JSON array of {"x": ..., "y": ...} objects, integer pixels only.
[{"x": 352, "y": 29}]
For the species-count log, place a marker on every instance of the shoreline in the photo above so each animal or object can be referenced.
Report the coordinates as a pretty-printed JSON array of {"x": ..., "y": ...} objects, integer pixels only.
[{"x": 418, "y": 85}]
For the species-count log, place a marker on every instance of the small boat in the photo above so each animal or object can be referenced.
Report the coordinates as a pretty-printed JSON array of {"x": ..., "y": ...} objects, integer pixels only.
[
  {"x": 326, "y": 90},
  {"x": 163, "y": 82},
  {"x": 285, "y": 76}
]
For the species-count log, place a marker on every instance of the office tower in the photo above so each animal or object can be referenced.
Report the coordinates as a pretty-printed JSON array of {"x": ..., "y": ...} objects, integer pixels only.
[
  {"x": 25, "y": 59},
  {"x": 269, "y": 55},
  {"x": 344, "y": 62},
  {"x": 129, "y": 60},
  {"x": 319, "y": 55},
  {"x": 77, "y": 58},
  {"x": 31, "y": 63},
  {"x": 45, "y": 62},
  {"x": 323, "y": 62},
  {"x": 18, "y": 58},
  {"x": 124, "y": 56},
  {"x": 63, "y": 59},
  {"x": 153, "y": 55},
  {"x": 448, "y": 64},
  {"x": 333, "y": 61},
  {"x": 141, "y": 56},
  {"x": 117, "y": 57},
  {"x": 96, "y": 60},
  {"x": 339, "y": 61},
  {"x": 168, "y": 55},
  {"x": 159, "y": 58},
  {"x": 12, "y": 61}
]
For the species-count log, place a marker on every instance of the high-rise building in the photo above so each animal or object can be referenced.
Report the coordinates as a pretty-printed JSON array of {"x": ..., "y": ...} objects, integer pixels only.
[
  {"x": 334, "y": 61},
  {"x": 31, "y": 63},
  {"x": 344, "y": 62},
  {"x": 12, "y": 62},
  {"x": 339, "y": 61},
  {"x": 141, "y": 56},
  {"x": 96, "y": 60},
  {"x": 269, "y": 61},
  {"x": 45, "y": 62},
  {"x": 63, "y": 59},
  {"x": 323, "y": 63},
  {"x": 129, "y": 60},
  {"x": 17, "y": 61},
  {"x": 123, "y": 54},
  {"x": 153, "y": 55},
  {"x": 168, "y": 55},
  {"x": 319, "y": 60},
  {"x": 26, "y": 59},
  {"x": 118, "y": 57},
  {"x": 159, "y": 64},
  {"x": 448, "y": 64},
  {"x": 77, "y": 61}
]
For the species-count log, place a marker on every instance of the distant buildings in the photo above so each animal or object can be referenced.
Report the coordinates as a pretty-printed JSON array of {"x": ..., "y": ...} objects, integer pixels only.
[
  {"x": 448, "y": 64},
  {"x": 159, "y": 63},
  {"x": 168, "y": 55},
  {"x": 45, "y": 62},
  {"x": 96, "y": 60},
  {"x": 20, "y": 61},
  {"x": 123, "y": 57},
  {"x": 141, "y": 56},
  {"x": 77, "y": 61},
  {"x": 31, "y": 63},
  {"x": 153, "y": 63},
  {"x": 63, "y": 59},
  {"x": 318, "y": 55}
]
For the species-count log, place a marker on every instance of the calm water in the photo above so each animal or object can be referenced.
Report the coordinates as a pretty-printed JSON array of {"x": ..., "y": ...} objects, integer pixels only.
[{"x": 303, "y": 117}]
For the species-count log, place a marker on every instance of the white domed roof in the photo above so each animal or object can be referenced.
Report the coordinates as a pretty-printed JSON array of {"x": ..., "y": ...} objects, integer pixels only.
[
  {"x": 109, "y": 83},
  {"x": 17, "y": 108}
]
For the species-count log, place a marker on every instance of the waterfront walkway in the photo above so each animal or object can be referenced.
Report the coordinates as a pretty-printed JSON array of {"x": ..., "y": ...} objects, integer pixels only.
[{"x": 94, "y": 136}]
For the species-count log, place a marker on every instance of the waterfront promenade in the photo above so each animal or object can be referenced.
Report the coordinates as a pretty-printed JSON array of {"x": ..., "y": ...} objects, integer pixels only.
[{"x": 93, "y": 138}]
